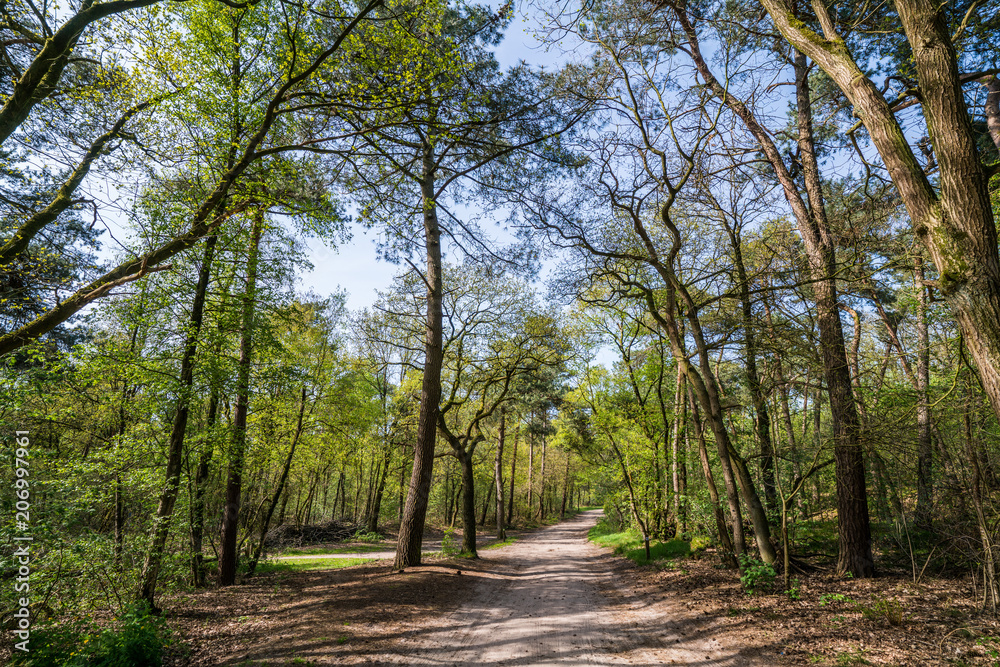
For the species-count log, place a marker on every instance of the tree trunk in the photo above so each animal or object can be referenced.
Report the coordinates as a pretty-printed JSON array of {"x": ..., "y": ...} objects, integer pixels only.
[
  {"x": 198, "y": 503},
  {"x": 541, "y": 492},
  {"x": 679, "y": 467},
  {"x": 513, "y": 470},
  {"x": 486, "y": 504},
  {"x": 762, "y": 421},
  {"x": 498, "y": 474},
  {"x": 728, "y": 553},
  {"x": 565, "y": 489},
  {"x": 955, "y": 223},
  {"x": 925, "y": 448},
  {"x": 531, "y": 468},
  {"x": 234, "y": 483},
  {"x": 991, "y": 592},
  {"x": 376, "y": 509},
  {"x": 468, "y": 506},
  {"x": 411, "y": 528},
  {"x": 855, "y": 552},
  {"x": 175, "y": 446}
]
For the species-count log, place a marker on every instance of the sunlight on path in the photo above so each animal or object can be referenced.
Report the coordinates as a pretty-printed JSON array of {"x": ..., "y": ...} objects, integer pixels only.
[{"x": 550, "y": 610}]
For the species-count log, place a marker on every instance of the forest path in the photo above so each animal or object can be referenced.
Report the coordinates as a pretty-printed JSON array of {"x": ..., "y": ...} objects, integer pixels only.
[{"x": 553, "y": 600}]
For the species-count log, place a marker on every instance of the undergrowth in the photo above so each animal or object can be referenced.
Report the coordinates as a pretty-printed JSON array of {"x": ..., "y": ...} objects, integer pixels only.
[{"x": 135, "y": 639}]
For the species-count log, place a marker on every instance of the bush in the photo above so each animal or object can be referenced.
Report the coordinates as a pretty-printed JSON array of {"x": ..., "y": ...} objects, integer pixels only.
[
  {"x": 699, "y": 543},
  {"x": 449, "y": 543},
  {"x": 136, "y": 639},
  {"x": 757, "y": 575}
]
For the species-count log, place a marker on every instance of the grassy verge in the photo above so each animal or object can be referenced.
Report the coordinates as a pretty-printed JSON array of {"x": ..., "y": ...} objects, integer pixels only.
[
  {"x": 350, "y": 549},
  {"x": 497, "y": 545},
  {"x": 629, "y": 543},
  {"x": 308, "y": 564}
]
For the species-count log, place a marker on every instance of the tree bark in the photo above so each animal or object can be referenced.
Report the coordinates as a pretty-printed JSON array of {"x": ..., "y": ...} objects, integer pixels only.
[
  {"x": 728, "y": 554},
  {"x": 198, "y": 502},
  {"x": 375, "y": 511},
  {"x": 955, "y": 223},
  {"x": 679, "y": 467},
  {"x": 234, "y": 482},
  {"x": 541, "y": 492},
  {"x": 468, "y": 503},
  {"x": 411, "y": 527}
]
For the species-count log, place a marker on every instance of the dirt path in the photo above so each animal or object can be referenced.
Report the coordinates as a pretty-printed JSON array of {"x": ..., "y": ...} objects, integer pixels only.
[
  {"x": 556, "y": 603},
  {"x": 551, "y": 598}
]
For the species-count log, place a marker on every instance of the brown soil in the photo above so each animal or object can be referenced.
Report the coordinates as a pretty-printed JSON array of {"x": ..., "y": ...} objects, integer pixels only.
[{"x": 554, "y": 598}]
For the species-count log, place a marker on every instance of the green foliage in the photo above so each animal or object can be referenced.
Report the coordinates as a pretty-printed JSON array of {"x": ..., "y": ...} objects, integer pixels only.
[
  {"x": 675, "y": 548},
  {"x": 756, "y": 574},
  {"x": 629, "y": 543},
  {"x": 700, "y": 542},
  {"x": 450, "y": 544},
  {"x": 794, "y": 591},
  {"x": 890, "y": 610},
  {"x": 136, "y": 639},
  {"x": 991, "y": 647},
  {"x": 370, "y": 537}
]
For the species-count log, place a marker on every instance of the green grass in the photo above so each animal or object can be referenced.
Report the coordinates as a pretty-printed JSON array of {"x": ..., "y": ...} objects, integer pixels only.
[
  {"x": 309, "y": 564},
  {"x": 497, "y": 545},
  {"x": 628, "y": 543},
  {"x": 352, "y": 549}
]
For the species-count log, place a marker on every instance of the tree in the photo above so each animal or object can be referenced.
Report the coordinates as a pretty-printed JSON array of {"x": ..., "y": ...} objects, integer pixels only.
[
  {"x": 304, "y": 58},
  {"x": 953, "y": 219},
  {"x": 446, "y": 116}
]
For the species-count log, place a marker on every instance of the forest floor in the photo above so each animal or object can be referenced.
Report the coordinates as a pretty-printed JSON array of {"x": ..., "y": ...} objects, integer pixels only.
[{"x": 554, "y": 598}]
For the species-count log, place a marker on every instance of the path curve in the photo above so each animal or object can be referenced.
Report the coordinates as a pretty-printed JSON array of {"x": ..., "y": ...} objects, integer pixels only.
[{"x": 555, "y": 601}]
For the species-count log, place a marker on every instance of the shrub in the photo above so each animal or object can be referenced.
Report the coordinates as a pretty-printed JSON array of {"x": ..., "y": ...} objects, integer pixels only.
[
  {"x": 757, "y": 575},
  {"x": 891, "y": 610},
  {"x": 449, "y": 545}
]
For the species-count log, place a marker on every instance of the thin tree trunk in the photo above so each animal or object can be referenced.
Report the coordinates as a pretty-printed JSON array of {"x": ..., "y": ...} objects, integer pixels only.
[
  {"x": 234, "y": 483},
  {"x": 513, "y": 470},
  {"x": 925, "y": 447},
  {"x": 175, "y": 446},
  {"x": 541, "y": 492},
  {"x": 498, "y": 474},
  {"x": 411, "y": 528},
  {"x": 565, "y": 490},
  {"x": 198, "y": 503},
  {"x": 376, "y": 510},
  {"x": 486, "y": 503},
  {"x": 531, "y": 468},
  {"x": 679, "y": 472},
  {"x": 725, "y": 541}
]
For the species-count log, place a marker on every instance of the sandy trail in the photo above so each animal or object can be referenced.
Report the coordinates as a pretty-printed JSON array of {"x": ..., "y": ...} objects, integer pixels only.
[{"x": 554, "y": 601}]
